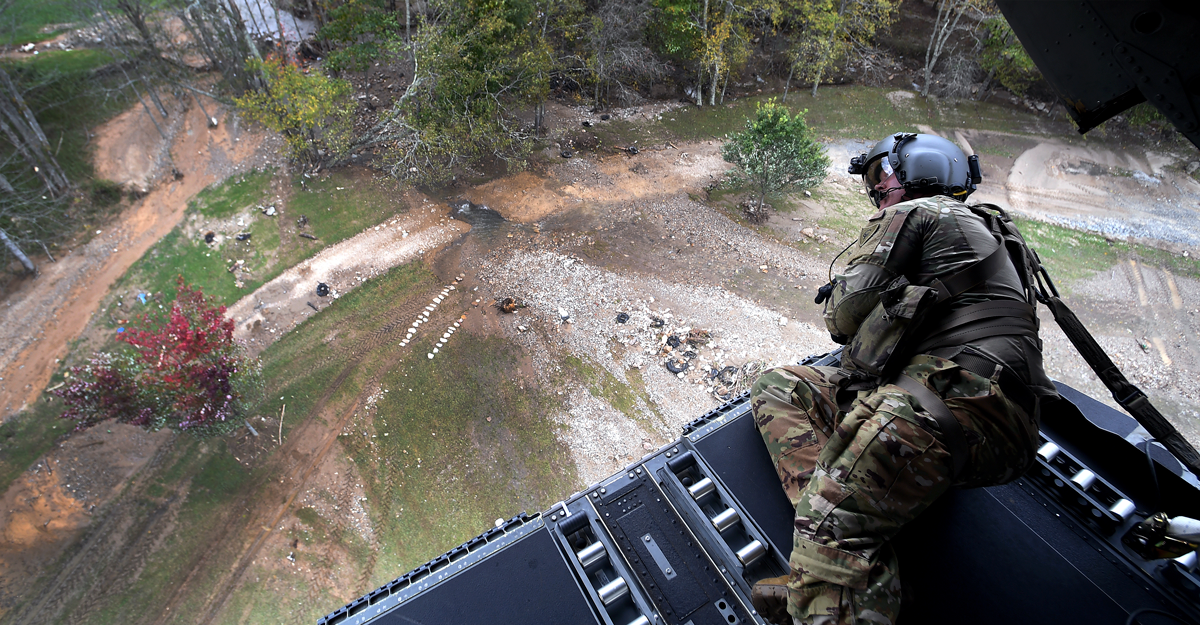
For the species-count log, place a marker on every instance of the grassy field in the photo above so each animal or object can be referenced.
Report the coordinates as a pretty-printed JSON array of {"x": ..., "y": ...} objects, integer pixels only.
[
  {"x": 836, "y": 113},
  {"x": 445, "y": 447},
  {"x": 36, "y": 20},
  {"x": 338, "y": 206}
]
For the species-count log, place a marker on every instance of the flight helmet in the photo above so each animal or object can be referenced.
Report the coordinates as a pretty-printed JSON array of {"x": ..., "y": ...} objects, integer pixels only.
[{"x": 925, "y": 164}]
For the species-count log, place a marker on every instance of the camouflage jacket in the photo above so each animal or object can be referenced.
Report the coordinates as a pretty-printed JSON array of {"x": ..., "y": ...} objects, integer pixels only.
[{"x": 927, "y": 239}]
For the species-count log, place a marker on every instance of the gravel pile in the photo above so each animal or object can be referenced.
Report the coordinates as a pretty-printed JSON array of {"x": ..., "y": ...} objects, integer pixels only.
[{"x": 575, "y": 306}]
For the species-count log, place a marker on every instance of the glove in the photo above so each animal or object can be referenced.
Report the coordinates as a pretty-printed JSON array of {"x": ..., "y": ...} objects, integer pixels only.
[{"x": 823, "y": 293}]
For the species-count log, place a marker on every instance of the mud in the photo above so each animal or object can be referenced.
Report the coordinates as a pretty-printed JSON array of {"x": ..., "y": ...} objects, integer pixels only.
[{"x": 43, "y": 314}]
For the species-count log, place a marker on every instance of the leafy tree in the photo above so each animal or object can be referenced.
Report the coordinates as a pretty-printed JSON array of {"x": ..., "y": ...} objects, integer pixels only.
[
  {"x": 479, "y": 64},
  {"x": 829, "y": 29},
  {"x": 361, "y": 31},
  {"x": 776, "y": 151},
  {"x": 312, "y": 111},
  {"x": 180, "y": 370},
  {"x": 1005, "y": 58}
]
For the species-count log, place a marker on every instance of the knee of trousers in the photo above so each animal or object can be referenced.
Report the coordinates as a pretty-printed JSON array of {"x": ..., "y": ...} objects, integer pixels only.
[{"x": 775, "y": 385}]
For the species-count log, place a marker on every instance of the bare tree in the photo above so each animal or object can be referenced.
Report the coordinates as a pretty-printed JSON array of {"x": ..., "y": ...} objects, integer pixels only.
[
  {"x": 21, "y": 128},
  {"x": 949, "y": 17},
  {"x": 617, "y": 53}
]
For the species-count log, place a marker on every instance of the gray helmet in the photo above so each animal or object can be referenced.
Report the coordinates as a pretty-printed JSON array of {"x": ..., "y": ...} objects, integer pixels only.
[{"x": 922, "y": 163}]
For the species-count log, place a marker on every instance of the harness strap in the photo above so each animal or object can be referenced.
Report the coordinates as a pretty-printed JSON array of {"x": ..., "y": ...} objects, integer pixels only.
[
  {"x": 986, "y": 310},
  {"x": 974, "y": 274},
  {"x": 952, "y": 432},
  {"x": 1011, "y": 384}
]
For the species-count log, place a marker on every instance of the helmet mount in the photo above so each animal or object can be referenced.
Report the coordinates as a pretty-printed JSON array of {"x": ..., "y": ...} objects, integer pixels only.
[{"x": 923, "y": 164}]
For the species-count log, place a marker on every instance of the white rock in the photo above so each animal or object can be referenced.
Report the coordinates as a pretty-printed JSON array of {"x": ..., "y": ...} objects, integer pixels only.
[
  {"x": 435, "y": 350},
  {"x": 522, "y": 328},
  {"x": 446, "y": 335},
  {"x": 430, "y": 356},
  {"x": 783, "y": 321}
]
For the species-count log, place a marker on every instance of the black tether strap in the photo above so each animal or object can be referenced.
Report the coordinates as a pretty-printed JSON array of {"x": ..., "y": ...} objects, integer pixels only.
[{"x": 952, "y": 433}]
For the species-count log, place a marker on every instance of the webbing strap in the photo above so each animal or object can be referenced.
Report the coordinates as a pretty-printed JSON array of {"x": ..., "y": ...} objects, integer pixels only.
[
  {"x": 985, "y": 310},
  {"x": 1126, "y": 393},
  {"x": 952, "y": 433},
  {"x": 1008, "y": 326},
  {"x": 974, "y": 274}
]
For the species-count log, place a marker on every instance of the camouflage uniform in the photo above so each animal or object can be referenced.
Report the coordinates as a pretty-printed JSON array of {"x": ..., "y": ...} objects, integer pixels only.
[{"x": 857, "y": 475}]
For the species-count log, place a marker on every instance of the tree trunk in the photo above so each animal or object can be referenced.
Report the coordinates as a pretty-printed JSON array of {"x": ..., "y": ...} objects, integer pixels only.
[
  {"x": 408, "y": 22},
  {"x": 16, "y": 251},
  {"x": 162, "y": 110},
  {"x": 5, "y": 186},
  {"x": 787, "y": 85},
  {"x": 36, "y": 148}
]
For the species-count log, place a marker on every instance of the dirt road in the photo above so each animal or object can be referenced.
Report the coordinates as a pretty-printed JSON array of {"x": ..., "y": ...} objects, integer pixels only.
[{"x": 45, "y": 313}]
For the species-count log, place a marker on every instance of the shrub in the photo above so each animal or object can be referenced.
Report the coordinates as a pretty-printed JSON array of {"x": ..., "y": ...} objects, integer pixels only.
[
  {"x": 180, "y": 369},
  {"x": 776, "y": 151}
]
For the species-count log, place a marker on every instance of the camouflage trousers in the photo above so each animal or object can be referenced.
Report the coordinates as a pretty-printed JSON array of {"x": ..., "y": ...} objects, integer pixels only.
[{"x": 857, "y": 477}]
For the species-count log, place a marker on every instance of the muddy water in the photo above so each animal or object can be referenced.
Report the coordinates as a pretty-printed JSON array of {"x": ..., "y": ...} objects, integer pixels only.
[{"x": 485, "y": 221}]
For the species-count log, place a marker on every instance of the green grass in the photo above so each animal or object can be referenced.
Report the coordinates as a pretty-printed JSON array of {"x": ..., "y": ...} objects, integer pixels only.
[
  {"x": 1072, "y": 255},
  {"x": 340, "y": 206},
  {"x": 233, "y": 195},
  {"x": 472, "y": 469},
  {"x": 27, "y": 436},
  {"x": 602, "y": 384},
  {"x": 334, "y": 215},
  {"x": 468, "y": 443},
  {"x": 29, "y": 18}
]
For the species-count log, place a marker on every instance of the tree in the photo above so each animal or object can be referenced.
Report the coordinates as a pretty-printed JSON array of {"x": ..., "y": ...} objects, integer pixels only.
[
  {"x": 949, "y": 15},
  {"x": 614, "y": 41},
  {"x": 359, "y": 32},
  {"x": 180, "y": 370},
  {"x": 776, "y": 151},
  {"x": 313, "y": 112},
  {"x": 829, "y": 29},
  {"x": 21, "y": 129},
  {"x": 477, "y": 63},
  {"x": 1005, "y": 59}
]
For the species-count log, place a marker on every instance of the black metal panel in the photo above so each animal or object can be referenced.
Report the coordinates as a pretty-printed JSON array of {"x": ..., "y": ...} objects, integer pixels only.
[
  {"x": 1103, "y": 57},
  {"x": 676, "y": 573},
  {"x": 526, "y": 582},
  {"x": 970, "y": 559}
]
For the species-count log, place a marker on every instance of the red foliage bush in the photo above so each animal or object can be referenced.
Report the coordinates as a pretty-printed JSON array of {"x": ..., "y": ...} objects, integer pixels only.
[{"x": 181, "y": 369}]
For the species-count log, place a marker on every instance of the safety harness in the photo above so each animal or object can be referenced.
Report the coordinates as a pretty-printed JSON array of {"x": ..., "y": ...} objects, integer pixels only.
[
  {"x": 912, "y": 318},
  {"x": 947, "y": 332}
]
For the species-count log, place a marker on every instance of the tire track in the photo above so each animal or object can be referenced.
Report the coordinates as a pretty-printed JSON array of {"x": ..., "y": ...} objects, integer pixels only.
[
  {"x": 357, "y": 350},
  {"x": 102, "y": 547}
]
